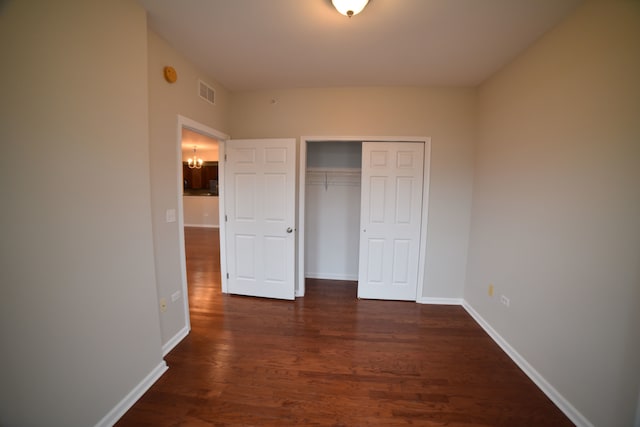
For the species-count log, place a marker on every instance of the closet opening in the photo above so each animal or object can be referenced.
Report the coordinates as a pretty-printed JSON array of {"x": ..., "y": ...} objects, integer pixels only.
[
  {"x": 332, "y": 210},
  {"x": 363, "y": 205}
]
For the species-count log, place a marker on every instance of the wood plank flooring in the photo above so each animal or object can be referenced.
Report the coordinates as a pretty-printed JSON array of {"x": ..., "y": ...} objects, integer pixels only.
[{"x": 329, "y": 359}]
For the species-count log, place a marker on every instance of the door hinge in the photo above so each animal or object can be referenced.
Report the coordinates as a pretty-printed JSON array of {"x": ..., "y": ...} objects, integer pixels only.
[
  {"x": 225, "y": 157},
  {"x": 225, "y": 218},
  {"x": 227, "y": 275}
]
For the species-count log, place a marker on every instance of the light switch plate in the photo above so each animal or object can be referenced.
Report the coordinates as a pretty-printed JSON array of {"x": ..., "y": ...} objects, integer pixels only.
[{"x": 171, "y": 215}]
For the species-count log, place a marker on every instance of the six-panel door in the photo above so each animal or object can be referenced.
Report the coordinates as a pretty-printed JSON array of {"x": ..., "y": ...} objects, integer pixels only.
[
  {"x": 260, "y": 210},
  {"x": 391, "y": 219}
]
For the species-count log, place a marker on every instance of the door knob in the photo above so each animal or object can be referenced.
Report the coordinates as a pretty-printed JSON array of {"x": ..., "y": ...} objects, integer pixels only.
[{"x": 289, "y": 230}]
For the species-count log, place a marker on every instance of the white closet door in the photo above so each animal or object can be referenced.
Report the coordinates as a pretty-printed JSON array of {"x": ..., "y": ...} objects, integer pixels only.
[
  {"x": 260, "y": 208},
  {"x": 391, "y": 217}
]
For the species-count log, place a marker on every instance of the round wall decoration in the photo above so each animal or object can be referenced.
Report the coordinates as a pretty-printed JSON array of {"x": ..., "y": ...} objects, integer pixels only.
[{"x": 170, "y": 74}]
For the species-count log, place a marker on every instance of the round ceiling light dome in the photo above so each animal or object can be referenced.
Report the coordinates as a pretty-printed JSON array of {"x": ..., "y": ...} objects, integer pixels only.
[{"x": 349, "y": 7}]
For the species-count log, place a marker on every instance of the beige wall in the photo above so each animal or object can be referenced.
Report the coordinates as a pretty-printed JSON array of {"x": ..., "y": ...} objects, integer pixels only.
[
  {"x": 78, "y": 317},
  {"x": 166, "y": 101},
  {"x": 554, "y": 217},
  {"x": 201, "y": 211},
  {"x": 556, "y": 209},
  {"x": 445, "y": 115}
]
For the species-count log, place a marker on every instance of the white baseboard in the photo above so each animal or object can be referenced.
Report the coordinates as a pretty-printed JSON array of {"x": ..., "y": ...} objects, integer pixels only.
[
  {"x": 203, "y": 225},
  {"x": 130, "y": 399},
  {"x": 440, "y": 301},
  {"x": 563, "y": 404},
  {"x": 175, "y": 340},
  {"x": 331, "y": 276}
]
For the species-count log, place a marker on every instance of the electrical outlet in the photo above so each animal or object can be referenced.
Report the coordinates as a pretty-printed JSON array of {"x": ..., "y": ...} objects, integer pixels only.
[
  {"x": 163, "y": 304},
  {"x": 490, "y": 291},
  {"x": 504, "y": 300},
  {"x": 175, "y": 296}
]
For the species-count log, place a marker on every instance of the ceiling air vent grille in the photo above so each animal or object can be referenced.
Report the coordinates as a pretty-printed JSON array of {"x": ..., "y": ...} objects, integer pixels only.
[{"x": 206, "y": 92}]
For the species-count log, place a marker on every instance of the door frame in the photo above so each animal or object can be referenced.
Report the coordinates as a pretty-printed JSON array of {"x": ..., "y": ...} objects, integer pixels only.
[
  {"x": 302, "y": 164},
  {"x": 185, "y": 122}
]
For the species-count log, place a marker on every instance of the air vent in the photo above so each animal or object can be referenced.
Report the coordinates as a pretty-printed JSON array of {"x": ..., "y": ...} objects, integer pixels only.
[{"x": 206, "y": 92}]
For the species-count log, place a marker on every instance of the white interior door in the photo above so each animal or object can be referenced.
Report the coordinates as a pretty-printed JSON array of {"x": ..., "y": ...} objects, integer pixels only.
[
  {"x": 260, "y": 217},
  {"x": 391, "y": 219}
]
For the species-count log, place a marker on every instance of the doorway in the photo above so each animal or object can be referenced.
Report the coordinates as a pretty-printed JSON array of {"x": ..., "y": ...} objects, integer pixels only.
[
  {"x": 199, "y": 213},
  {"x": 200, "y": 158},
  {"x": 202, "y": 246},
  {"x": 332, "y": 214}
]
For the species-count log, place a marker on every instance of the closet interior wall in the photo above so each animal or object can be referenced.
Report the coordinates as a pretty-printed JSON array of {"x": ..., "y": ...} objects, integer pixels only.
[{"x": 332, "y": 209}]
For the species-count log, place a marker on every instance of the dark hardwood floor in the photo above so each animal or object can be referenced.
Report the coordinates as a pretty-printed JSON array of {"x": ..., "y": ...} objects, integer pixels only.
[{"x": 329, "y": 359}]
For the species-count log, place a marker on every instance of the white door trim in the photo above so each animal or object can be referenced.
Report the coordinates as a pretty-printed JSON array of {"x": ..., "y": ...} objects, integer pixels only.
[
  {"x": 302, "y": 172},
  {"x": 185, "y": 122},
  {"x": 222, "y": 147},
  {"x": 304, "y": 140},
  {"x": 425, "y": 218}
]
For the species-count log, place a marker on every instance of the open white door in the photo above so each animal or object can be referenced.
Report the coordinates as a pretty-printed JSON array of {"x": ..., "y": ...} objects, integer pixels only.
[
  {"x": 260, "y": 217},
  {"x": 391, "y": 219}
]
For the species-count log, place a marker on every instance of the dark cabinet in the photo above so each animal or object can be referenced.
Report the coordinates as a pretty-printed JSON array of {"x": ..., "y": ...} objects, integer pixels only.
[{"x": 200, "y": 179}]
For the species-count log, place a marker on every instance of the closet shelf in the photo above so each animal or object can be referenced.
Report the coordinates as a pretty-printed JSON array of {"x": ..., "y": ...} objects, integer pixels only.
[{"x": 328, "y": 177}]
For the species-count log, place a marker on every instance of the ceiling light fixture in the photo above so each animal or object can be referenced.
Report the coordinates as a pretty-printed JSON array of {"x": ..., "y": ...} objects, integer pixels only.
[
  {"x": 349, "y": 7},
  {"x": 195, "y": 162}
]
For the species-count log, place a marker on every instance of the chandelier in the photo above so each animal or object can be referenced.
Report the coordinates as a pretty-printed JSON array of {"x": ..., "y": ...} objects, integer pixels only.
[{"x": 194, "y": 162}]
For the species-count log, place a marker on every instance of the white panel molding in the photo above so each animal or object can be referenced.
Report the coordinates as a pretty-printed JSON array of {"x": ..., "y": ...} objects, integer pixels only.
[
  {"x": 440, "y": 301},
  {"x": 132, "y": 397},
  {"x": 175, "y": 340},
  {"x": 331, "y": 276},
  {"x": 563, "y": 404}
]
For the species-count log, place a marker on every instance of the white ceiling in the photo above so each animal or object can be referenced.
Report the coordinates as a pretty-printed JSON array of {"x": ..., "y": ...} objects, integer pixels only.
[
  {"x": 206, "y": 148},
  {"x": 278, "y": 44}
]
